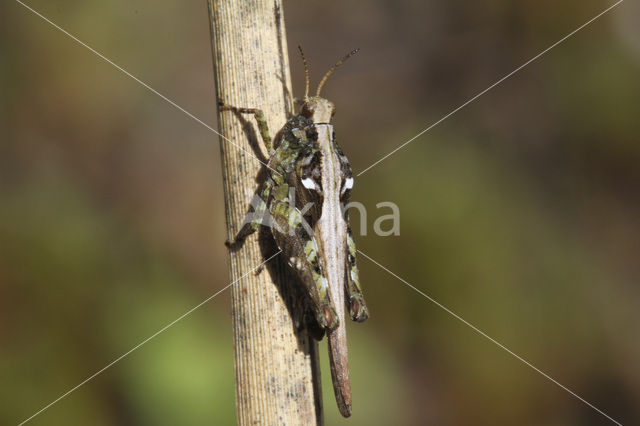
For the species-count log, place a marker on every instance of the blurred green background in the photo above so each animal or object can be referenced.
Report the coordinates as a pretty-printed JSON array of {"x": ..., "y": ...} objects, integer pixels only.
[{"x": 520, "y": 212}]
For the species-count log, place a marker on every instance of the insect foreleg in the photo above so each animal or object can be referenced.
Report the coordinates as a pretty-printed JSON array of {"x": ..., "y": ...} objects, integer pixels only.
[{"x": 260, "y": 119}]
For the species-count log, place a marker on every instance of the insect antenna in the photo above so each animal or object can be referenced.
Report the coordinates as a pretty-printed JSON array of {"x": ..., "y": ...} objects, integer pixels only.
[
  {"x": 306, "y": 73},
  {"x": 337, "y": 64}
]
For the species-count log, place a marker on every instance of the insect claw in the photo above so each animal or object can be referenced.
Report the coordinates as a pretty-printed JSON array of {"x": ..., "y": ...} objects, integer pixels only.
[
  {"x": 234, "y": 245},
  {"x": 224, "y": 106}
]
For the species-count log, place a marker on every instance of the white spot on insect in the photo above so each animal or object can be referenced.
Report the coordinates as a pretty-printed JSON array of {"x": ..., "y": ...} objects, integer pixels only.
[
  {"x": 308, "y": 183},
  {"x": 348, "y": 184}
]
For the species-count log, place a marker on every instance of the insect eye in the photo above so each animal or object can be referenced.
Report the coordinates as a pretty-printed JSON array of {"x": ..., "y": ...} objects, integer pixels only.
[
  {"x": 333, "y": 111},
  {"x": 308, "y": 109}
]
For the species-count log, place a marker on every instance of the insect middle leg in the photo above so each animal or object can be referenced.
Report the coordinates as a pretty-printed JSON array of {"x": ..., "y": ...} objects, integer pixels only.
[
  {"x": 253, "y": 220},
  {"x": 357, "y": 307},
  {"x": 260, "y": 119},
  {"x": 301, "y": 252}
]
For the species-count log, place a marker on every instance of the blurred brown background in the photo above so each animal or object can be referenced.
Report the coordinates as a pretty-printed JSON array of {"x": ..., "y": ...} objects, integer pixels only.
[{"x": 520, "y": 212}]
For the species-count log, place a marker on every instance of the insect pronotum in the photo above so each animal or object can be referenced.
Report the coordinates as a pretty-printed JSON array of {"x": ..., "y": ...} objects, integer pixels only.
[{"x": 302, "y": 200}]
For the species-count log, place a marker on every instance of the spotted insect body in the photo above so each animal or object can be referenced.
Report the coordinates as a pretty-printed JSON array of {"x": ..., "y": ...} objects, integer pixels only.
[{"x": 305, "y": 195}]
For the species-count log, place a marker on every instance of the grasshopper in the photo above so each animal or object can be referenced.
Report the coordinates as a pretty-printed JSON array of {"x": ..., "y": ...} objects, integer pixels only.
[{"x": 308, "y": 168}]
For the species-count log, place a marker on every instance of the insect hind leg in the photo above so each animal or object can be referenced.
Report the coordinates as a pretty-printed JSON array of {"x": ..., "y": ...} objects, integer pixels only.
[
  {"x": 357, "y": 306},
  {"x": 301, "y": 252}
]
